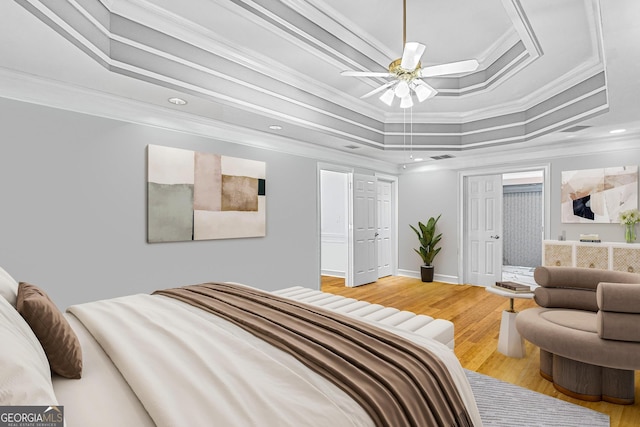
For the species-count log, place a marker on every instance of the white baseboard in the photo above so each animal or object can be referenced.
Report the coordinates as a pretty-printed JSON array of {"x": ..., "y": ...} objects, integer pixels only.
[
  {"x": 436, "y": 277},
  {"x": 332, "y": 273},
  {"x": 406, "y": 273},
  {"x": 409, "y": 273}
]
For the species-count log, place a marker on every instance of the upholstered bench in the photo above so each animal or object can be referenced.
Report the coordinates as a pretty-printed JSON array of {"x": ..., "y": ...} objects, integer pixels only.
[
  {"x": 437, "y": 329},
  {"x": 588, "y": 331}
]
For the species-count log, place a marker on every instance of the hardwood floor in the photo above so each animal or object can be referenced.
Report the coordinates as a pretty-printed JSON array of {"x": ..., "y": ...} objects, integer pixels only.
[{"x": 476, "y": 315}]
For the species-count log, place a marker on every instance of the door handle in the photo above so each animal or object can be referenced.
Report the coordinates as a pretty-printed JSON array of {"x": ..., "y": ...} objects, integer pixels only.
[{"x": 495, "y": 237}]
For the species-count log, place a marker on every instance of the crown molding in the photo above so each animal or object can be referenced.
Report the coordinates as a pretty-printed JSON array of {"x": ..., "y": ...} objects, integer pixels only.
[
  {"x": 55, "y": 94},
  {"x": 546, "y": 152}
]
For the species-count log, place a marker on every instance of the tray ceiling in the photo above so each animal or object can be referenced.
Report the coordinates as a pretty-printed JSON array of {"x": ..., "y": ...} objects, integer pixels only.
[{"x": 546, "y": 66}]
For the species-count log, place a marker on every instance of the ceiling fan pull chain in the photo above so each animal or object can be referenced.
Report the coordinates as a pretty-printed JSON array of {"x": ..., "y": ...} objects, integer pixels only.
[
  {"x": 404, "y": 135},
  {"x": 411, "y": 133}
]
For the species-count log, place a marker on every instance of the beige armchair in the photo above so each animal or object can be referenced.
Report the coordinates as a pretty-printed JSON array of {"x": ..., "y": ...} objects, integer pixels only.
[{"x": 588, "y": 331}]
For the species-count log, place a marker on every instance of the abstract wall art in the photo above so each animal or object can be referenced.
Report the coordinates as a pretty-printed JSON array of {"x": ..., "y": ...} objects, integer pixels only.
[
  {"x": 202, "y": 196},
  {"x": 598, "y": 195}
]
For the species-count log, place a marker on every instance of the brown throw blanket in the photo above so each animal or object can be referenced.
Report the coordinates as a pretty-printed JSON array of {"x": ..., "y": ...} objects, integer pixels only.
[{"x": 397, "y": 382}]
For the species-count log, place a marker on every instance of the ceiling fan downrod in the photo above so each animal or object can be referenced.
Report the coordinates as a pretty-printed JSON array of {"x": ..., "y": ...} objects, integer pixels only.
[{"x": 404, "y": 22}]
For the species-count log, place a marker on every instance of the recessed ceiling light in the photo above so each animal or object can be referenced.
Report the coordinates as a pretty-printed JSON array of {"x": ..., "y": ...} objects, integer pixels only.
[
  {"x": 418, "y": 159},
  {"x": 617, "y": 131},
  {"x": 275, "y": 127},
  {"x": 177, "y": 101}
]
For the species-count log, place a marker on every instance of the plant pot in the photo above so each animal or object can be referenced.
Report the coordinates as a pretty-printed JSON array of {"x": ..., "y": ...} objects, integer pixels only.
[{"x": 426, "y": 273}]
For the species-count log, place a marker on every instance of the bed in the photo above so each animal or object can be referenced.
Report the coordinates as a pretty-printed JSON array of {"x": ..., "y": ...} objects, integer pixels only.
[{"x": 156, "y": 360}]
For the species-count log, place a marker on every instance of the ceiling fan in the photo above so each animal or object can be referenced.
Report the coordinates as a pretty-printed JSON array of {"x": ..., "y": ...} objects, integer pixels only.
[{"x": 406, "y": 72}]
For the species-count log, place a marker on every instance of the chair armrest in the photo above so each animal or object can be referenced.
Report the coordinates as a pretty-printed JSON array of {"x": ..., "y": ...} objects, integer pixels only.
[
  {"x": 618, "y": 326},
  {"x": 578, "y": 299},
  {"x": 619, "y": 297},
  {"x": 619, "y": 314},
  {"x": 580, "y": 278}
]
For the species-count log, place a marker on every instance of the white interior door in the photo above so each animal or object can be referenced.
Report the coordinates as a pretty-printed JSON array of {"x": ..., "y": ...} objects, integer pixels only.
[
  {"x": 484, "y": 229},
  {"x": 385, "y": 221},
  {"x": 365, "y": 259}
]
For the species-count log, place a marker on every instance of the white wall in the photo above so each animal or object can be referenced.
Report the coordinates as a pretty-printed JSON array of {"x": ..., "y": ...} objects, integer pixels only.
[
  {"x": 334, "y": 211},
  {"x": 73, "y": 191}
]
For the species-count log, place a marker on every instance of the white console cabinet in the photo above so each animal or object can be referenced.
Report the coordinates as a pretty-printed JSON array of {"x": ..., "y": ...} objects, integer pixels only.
[{"x": 605, "y": 255}]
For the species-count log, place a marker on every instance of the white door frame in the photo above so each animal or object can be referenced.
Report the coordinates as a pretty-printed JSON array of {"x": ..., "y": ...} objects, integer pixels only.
[
  {"x": 462, "y": 175},
  {"x": 350, "y": 171}
]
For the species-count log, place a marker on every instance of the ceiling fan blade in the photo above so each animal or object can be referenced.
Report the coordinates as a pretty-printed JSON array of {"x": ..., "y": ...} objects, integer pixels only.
[
  {"x": 411, "y": 55},
  {"x": 378, "y": 89},
  {"x": 450, "y": 68},
  {"x": 365, "y": 74}
]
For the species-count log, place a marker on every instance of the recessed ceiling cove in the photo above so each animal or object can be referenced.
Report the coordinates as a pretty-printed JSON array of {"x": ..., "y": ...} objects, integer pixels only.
[{"x": 282, "y": 60}]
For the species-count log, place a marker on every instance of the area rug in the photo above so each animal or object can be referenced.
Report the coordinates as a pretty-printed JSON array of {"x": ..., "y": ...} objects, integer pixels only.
[{"x": 507, "y": 405}]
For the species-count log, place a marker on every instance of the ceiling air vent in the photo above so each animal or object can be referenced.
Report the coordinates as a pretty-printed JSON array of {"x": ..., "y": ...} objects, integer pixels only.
[
  {"x": 575, "y": 128},
  {"x": 444, "y": 156},
  {"x": 351, "y": 147}
]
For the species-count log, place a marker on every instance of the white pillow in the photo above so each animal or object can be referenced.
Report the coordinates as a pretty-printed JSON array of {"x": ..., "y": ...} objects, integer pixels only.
[
  {"x": 8, "y": 287},
  {"x": 25, "y": 376}
]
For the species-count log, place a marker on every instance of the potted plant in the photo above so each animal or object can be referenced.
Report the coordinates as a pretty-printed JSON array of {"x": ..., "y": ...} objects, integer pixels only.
[
  {"x": 427, "y": 251},
  {"x": 629, "y": 219}
]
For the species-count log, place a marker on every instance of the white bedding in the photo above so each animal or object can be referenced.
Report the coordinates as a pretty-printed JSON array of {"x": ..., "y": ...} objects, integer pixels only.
[
  {"x": 102, "y": 398},
  {"x": 189, "y": 367}
]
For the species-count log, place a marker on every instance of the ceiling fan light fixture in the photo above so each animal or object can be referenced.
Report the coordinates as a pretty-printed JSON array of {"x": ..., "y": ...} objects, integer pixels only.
[
  {"x": 387, "y": 97},
  {"x": 406, "y": 102},
  {"x": 423, "y": 91},
  {"x": 402, "y": 89}
]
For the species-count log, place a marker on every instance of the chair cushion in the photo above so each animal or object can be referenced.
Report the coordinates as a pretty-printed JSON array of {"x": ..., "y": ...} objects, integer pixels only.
[
  {"x": 573, "y": 319},
  {"x": 553, "y": 330}
]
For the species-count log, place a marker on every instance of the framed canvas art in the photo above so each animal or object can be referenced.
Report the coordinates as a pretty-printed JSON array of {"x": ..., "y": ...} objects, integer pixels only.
[
  {"x": 598, "y": 195},
  {"x": 202, "y": 196}
]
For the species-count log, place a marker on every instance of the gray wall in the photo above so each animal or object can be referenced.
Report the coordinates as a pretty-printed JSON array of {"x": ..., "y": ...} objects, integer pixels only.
[
  {"x": 73, "y": 192},
  {"x": 607, "y": 232},
  {"x": 424, "y": 195}
]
